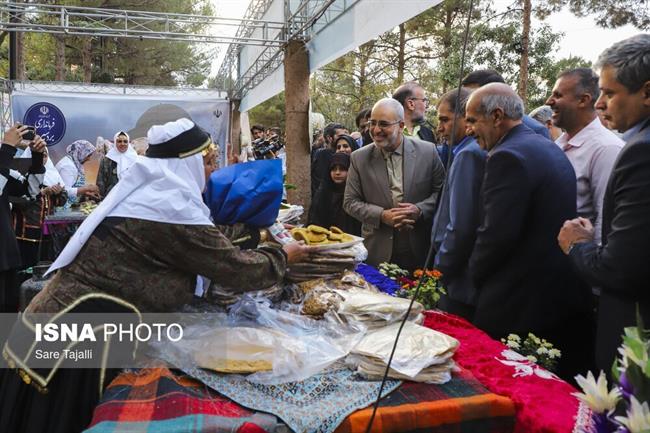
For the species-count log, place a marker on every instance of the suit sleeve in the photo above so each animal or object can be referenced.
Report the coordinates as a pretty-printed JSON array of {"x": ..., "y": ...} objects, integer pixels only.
[
  {"x": 354, "y": 203},
  {"x": 505, "y": 198},
  {"x": 428, "y": 205},
  {"x": 465, "y": 180},
  {"x": 621, "y": 265}
]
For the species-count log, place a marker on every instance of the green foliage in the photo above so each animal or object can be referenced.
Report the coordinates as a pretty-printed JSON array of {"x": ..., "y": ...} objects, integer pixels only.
[
  {"x": 269, "y": 113},
  {"x": 121, "y": 60}
]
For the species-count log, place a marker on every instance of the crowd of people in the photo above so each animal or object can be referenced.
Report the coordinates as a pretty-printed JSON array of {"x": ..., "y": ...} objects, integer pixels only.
[{"x": 539, "y": 223}]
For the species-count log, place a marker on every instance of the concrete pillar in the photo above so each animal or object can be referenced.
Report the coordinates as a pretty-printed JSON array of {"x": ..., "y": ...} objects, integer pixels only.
[{"x": 296, "y": 95}]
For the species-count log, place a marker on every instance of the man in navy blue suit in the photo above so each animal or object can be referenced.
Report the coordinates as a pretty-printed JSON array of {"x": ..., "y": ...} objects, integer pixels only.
[
  {"x": 458, "y": 215},
  {"x": 620, "y": 266},
  {"x": 525, "y": 283}
]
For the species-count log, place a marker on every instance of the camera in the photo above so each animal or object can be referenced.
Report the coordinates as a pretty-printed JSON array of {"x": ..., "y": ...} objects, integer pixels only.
[
  {"x": 265, "y": 148},
  {"x": 29, "y": 134}
]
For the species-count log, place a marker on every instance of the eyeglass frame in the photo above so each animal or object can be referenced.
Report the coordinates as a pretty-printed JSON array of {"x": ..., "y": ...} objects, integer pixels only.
[
  {"x": 374, "y": 123},
  {"x": 426, "y": 100}
]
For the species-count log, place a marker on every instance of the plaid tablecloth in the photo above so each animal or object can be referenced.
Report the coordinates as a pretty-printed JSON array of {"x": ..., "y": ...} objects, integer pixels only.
[{"x": 157, "y": 400}]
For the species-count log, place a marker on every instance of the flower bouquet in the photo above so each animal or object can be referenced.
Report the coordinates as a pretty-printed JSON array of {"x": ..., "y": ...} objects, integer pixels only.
[
  {"x": 430, "y": 290},
  {"x": 624, "y": 407},
  {"x": 535, "y": 349}
]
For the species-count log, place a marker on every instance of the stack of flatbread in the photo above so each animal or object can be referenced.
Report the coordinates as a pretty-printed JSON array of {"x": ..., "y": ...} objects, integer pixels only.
[
  {"x": 375, "y": 309},
  {"x": 324, "y": 264},
  {"x": 422, "y": 354}
]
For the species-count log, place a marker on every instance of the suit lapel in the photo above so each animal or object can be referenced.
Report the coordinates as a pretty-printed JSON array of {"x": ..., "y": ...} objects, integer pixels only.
[
  {"x": 408, "y": 169},
  {"x": 381, "y": 174}
]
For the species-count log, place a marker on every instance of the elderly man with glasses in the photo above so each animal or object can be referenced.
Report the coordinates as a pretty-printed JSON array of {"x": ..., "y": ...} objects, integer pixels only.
[
  {"x": 392, "y": 188},
  {"x": 413, "y": 98}
]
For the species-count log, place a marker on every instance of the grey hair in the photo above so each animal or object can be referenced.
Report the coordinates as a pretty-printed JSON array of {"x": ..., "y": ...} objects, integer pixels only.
[
  {"x": 512, "y": 105},
  {"x": 542, "y": 114},
  {"x": 397, "y": 108},
  {"x": 631, "y": 59}
]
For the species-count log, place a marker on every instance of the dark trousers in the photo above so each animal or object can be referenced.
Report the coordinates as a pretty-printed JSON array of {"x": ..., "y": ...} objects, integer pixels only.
[{"x": 8, "y": 292}]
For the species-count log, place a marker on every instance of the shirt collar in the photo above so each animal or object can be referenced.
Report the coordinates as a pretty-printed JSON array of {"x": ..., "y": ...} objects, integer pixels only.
[
  {"x": 416, "y": 129},
  {"x": 582, "y": 136},
  {"x": 627, "y": 135},
  {"x": 461, "y": 144}
]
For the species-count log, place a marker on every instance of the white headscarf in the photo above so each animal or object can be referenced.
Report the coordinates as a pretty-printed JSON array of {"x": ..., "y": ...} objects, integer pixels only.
[
  {"x": 124, "y": 159},
  {"x": 164, "y": 190},
  {"x": 52, "y": 176}
]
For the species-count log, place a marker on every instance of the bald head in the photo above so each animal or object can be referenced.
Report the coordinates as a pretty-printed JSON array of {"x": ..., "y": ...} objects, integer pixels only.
[
  {"x": 391, "y": 105},
  {"x": 492, "y": 111},
  {"x": 495, "y": 96}
]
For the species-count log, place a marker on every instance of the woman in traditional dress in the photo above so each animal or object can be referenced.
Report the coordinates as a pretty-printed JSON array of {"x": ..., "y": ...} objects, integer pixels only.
[
  {"x": 71, "y": 169},
  {"x": 118, "y": 159},
  {"x": 43, "y": 195},
  {"x": 139, "y": 250},
  {"x": 13, "y": 184}
]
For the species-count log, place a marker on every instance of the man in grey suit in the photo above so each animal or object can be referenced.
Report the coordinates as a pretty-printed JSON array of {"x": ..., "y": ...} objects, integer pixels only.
[
  {"x": 458, "y": 215},
  {"x": 392, "y": 188}
]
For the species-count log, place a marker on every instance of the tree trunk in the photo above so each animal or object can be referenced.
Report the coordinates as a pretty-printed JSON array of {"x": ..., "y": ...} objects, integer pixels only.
[
  {"x": 446, "y": 39},
  {"x": 296, "y": 107},
  {"x": 401, "y": 66},
  {"x": 86, "y": 59},
  {"x": 364, "y": 57},
  {"x": 523, "y": 66},
  {"x": 20, "y": 56},
  {"x": 59, "y": 64}
]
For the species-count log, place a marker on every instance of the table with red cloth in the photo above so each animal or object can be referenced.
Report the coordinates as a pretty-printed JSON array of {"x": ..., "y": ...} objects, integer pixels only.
[{"x": 491, "y": 400}]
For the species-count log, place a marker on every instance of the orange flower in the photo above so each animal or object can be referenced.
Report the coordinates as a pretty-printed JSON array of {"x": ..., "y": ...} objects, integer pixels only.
[
  {"x": 405, "y": 286},
  {"x": 436, "y": 274},
  {"x": 418, "y": 273}
]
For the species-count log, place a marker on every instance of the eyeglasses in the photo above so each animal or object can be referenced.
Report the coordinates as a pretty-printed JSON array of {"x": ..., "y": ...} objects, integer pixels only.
[
  {"x": 121, "y": 141},
  {"x": 382, "y": 124},
  {"x": 425, "y": 100}
]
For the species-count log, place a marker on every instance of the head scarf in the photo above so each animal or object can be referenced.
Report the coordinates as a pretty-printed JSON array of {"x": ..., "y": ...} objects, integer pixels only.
[
  {"x": 340, "y": 159},
  {"x": 124, "y": 159},
  {"x": 52, "y": 176},
  {"x": 78, "y": 151},
  {"x": 166, "y": 189},
  {"x": 351, "y": 141}
]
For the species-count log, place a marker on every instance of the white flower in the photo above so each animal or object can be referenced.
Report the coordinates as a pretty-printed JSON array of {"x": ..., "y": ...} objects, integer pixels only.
[
  {"x": 554, "y": 353},
  {"x": 514, "y": 337},
  {"x": 542, "y": 351},
  {"x": 638, "y": 417},
  {"x": 534, "y": 338},
  {"x": 531, "y": 358},
  {"x": 596, "y": 394},
  {"x": 512, "y": 344},
  {"x": 628, "y": 355}
]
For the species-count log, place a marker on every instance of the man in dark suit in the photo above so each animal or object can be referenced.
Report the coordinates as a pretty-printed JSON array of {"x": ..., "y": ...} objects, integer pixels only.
[
  {"x": 621, "y": 265},
  {"x": 414, "y": 99},
  {"x": 458, "y": 215},
  {"x": 525, "y": 283},
  {"x": 392, "y": 188},
  {"x": 481, "y": 77}
]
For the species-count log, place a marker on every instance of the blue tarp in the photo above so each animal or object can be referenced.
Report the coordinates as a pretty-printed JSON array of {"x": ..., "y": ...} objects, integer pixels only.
[{"x": 249, "y": 193}]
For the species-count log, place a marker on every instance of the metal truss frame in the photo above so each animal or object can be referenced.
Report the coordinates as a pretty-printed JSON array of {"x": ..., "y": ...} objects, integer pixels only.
[
  {"x": 88, "y": 21},
  {"x": 307, "y": 20}
]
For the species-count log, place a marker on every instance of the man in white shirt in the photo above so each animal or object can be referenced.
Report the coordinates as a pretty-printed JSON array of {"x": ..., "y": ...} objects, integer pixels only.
[{"x": 591, "y": 148}]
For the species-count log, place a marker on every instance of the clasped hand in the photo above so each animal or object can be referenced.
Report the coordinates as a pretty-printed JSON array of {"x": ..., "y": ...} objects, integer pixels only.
[{"x": 402, "y": 217}]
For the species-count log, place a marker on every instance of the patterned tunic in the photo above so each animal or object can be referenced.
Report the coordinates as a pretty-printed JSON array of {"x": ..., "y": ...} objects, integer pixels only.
[
  {"x": 154, "y": 265},
  {"x": 106, "y": 176}
]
